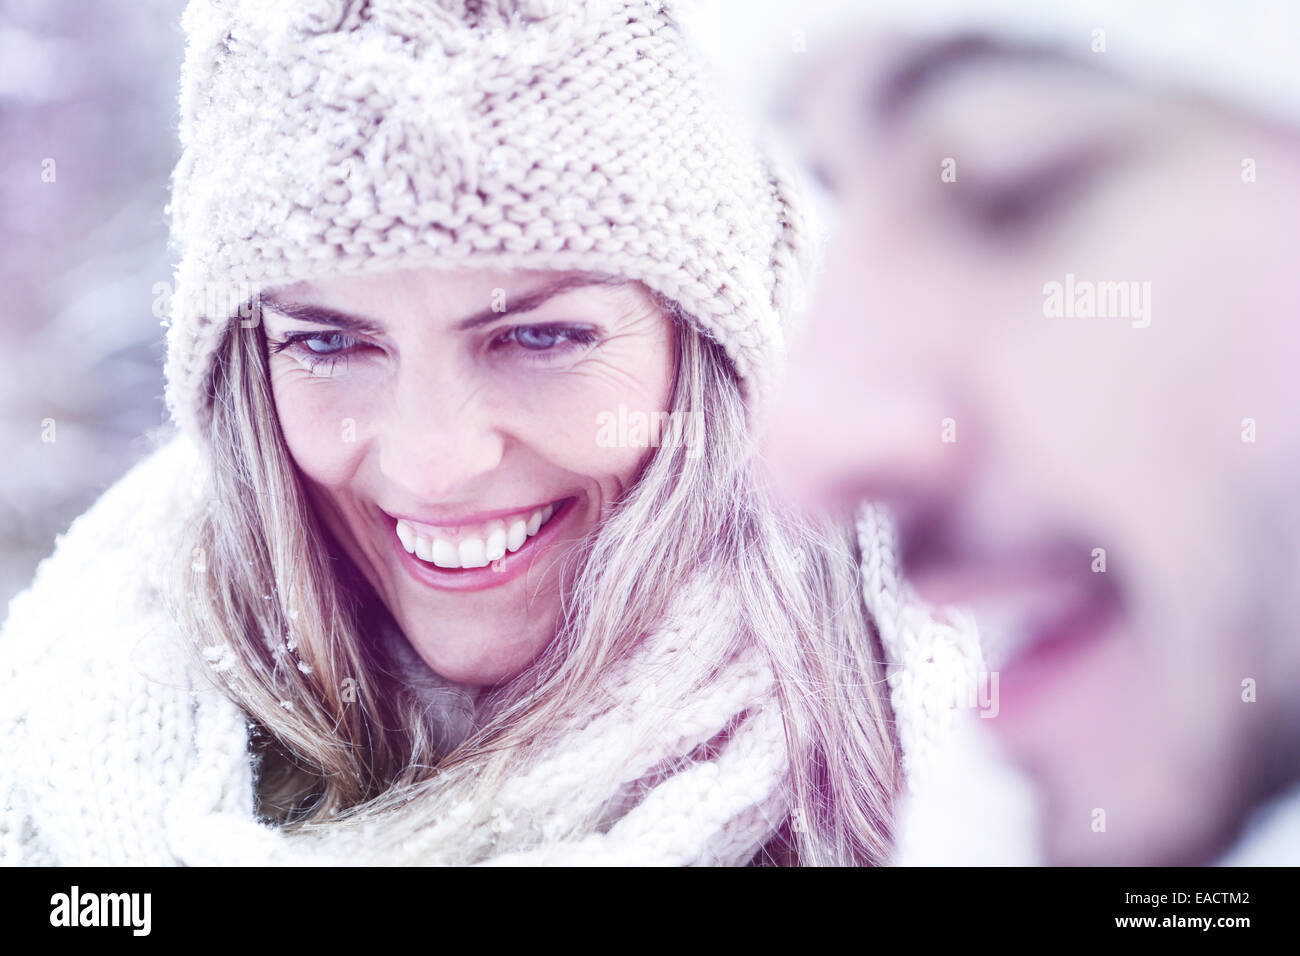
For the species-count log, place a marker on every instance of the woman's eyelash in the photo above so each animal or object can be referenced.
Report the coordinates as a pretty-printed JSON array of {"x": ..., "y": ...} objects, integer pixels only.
[
  {"x": 531, "y": 342},
  {"x": 315, "y": 359},
  {"x": 541, "y": 341}
]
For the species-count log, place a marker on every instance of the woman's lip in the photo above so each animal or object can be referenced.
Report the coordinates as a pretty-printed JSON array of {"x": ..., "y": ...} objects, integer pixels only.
[{"x": 495, "y": 573}]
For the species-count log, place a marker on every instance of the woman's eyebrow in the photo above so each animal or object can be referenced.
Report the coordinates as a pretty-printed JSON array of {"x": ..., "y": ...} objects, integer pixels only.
[
  {"x": 319, "y": 315},
  {"x": 536, "y": 298}
]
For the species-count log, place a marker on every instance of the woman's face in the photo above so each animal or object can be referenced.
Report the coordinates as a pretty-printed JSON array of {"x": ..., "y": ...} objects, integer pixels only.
[{"x": 446, "y": 427}]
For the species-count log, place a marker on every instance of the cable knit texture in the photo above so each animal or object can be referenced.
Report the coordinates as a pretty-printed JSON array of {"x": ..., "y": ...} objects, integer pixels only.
[{"x": 335, "y": 136}]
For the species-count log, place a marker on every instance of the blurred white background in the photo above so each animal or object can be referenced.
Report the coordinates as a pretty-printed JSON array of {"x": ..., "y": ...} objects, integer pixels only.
[{"x": 91, "y": 86}]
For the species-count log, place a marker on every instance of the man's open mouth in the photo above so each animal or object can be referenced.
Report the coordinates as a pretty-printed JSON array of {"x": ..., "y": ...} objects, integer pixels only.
[{"x": 1026, "y": 600}]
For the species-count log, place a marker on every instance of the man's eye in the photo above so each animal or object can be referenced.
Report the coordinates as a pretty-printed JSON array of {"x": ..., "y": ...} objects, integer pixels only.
[
  {"x": 1029, "y": 200},
  {"x": 1007, "y": 207},
  {"x": 999, "y": 210}
]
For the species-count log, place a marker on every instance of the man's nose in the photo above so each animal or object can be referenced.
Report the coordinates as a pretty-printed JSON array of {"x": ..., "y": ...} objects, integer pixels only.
[
  {"x": 437, "y": 437},
  {"x": 866, "y": 407}
]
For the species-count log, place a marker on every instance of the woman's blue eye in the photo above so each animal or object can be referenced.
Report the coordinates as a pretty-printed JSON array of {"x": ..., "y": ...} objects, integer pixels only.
[
  {"x": 319, "y": 350},
  {"x": 547, "y": 338},
  {"x": 537, "y": 338},
  {"x": 331, "y": 343}
]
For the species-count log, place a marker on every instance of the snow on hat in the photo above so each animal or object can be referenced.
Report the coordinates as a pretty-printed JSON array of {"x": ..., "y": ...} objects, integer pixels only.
[{"x": 331, "y": 137}]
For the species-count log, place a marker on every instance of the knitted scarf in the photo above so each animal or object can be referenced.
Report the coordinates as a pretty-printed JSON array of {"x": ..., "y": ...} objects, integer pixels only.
[{"x": 117, "y": 749}]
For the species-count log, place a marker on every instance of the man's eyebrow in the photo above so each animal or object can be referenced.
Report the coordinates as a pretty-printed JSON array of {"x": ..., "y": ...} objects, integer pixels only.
[
  {"x": 935, "y": 60},
  {"x": 321, "y": 315}
]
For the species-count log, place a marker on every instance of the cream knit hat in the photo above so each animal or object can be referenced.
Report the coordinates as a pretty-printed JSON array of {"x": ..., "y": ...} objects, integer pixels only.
[{"x": 329, "y": 137}]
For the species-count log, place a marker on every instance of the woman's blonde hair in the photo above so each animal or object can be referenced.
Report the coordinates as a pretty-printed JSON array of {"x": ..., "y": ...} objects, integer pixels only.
[{"x": 343, "y": 734}]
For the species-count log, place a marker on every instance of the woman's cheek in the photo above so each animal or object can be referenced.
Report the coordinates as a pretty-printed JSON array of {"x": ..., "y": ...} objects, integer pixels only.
[
  {"x": 323, "y": 423},
  {"x": 600, "y": 423}
]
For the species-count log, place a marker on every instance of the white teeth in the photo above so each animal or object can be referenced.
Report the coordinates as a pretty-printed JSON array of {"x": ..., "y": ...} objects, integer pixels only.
[
  {"x": 406, "y": 536},
  {"x": 445, "y": 554},
  {"x": 499, "y": 537},
  {"x": 473, "y": 554},
  {"x": 496, "y": 540}
]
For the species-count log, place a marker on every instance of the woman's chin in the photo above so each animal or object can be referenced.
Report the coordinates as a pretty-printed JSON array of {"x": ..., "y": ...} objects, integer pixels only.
[
  {"x": 479, "y": 653},
  {"x": 477, "y": 671}
]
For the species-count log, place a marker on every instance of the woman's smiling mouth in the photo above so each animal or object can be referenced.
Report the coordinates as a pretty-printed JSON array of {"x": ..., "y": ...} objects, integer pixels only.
[
  {"x": 472, "y": 545},
  {"x": 473, "y": 555}
]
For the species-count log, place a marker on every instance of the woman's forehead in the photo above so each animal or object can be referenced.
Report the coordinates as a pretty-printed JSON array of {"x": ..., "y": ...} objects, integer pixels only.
[{"x": 420, "y": 279}]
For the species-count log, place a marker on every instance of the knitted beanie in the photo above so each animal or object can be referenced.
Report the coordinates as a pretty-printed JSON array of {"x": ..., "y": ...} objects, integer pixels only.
[{"x": 331, "y": 137}]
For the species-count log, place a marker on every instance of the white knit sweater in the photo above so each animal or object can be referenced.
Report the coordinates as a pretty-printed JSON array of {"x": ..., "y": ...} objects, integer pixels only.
[{"x": 116, "y": 749}]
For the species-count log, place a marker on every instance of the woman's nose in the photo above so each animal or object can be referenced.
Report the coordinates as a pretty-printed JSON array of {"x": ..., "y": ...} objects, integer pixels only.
[{"x": 438, "y": 439}]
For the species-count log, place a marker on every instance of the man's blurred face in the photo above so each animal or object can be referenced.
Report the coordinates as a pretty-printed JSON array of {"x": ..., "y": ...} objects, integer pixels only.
[{"x": 1057, "y": 331}]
